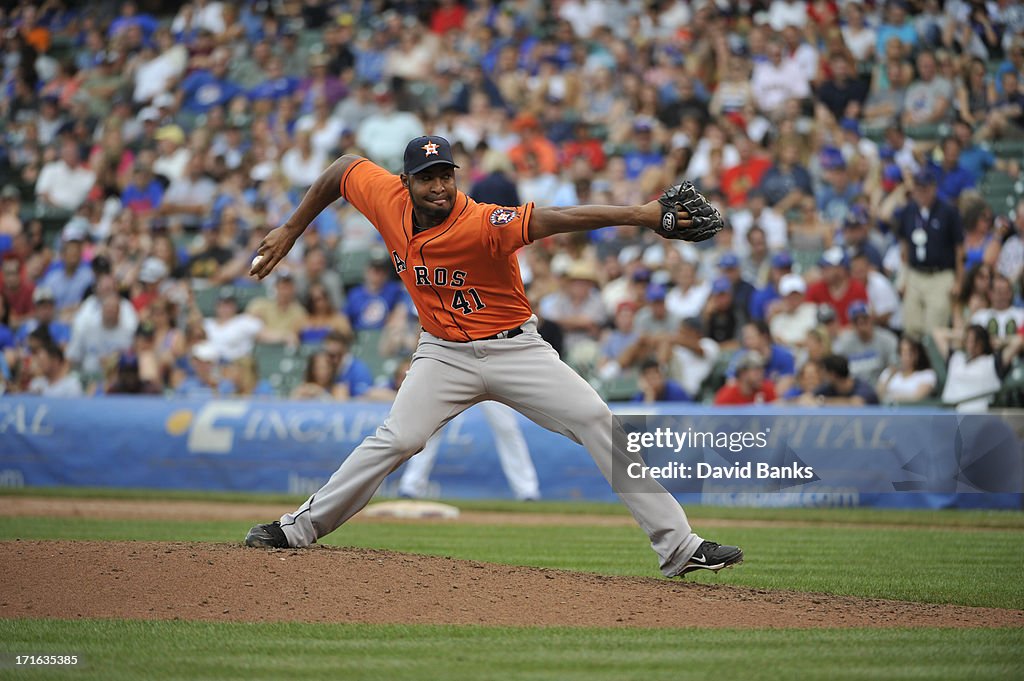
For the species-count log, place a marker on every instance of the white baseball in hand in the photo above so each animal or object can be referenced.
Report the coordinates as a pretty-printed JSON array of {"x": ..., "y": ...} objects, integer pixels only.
[{"x": 256, "y": 262}]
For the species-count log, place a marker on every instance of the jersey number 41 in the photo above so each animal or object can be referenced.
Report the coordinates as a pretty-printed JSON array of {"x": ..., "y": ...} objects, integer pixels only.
[{"x": 460, "y": 302}]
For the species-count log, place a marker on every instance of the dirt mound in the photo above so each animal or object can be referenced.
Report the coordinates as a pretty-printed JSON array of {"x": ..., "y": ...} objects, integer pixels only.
[{"x": 220, "y": 582}]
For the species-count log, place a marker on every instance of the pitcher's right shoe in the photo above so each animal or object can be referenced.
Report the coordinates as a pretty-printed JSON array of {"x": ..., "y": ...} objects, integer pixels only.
[
  {"x": 269, "y": 536},
  {"x": 712, "y": 556}
]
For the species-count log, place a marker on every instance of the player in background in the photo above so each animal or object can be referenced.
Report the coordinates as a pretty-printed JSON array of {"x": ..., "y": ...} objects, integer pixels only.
[
  {"x": 513, "y": 453},
  {"x": 457, "y": 259}
]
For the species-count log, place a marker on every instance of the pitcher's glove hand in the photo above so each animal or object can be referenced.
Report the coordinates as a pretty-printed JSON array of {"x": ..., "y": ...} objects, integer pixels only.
[{"x": 705, "y": 219}]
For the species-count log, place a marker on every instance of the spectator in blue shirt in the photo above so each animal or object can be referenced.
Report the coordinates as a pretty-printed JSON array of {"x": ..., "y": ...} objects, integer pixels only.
[
  {"x": 644, "y": 155},
  {"x": 352, "y": 377},
  {"x": 782, "y": 264},
  {"x": 655, "y": 387},
  {"x": 780, "y": 365},
  {"x": 896, "y": 25},
  {"x": 206, "y": 88},
  {"x": 145, "y": 192},
  {"x": 856, "y": 232},
  {"x": 44, "y": 317},
  {"x": 370, "y": 304},
  {"x": 953, "y": 178},
  {"x": 277, "y": 84},
  {"x": 71, "y": 278},
  {"x": 840, "y": 388}
]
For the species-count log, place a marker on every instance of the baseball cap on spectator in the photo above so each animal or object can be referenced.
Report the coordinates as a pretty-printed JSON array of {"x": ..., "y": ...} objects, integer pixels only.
[
  {"x": 857, "y": 217},
  {"x": 925, "y": 176},
  {"x": 424, "y": 152},
  {"x": 792, "y": 283},
  {"x": 857, "y": 308},
  {"x": 583, "y": 271},
  {"x": 850, "y": 125},
  {"x": 656, "y": 292},
  {"x": 642, "y": 275},
  {"x": 148, "y": 114},
  {"x": 891, "y": 177},
  {"x": 9, "y": 192},
  {"x": 751, "y": 359},
  {"x": 74, "y": 231},
  {"x": 831, "y": 158},
  {"x": 782, "y": 260},
  {"x": 204, "y": 352},
  {"x": 152, "y": 270},
  {"x": 826, "y": 314},
  {"x": 226, "y": 295},
  {"x": 721, "y": 285},
  {"x": 525, "y": 122},
  {"x": 694, "y": 323},
  {"x": 728, "y": 261},
  {"x": 642, "y": 124},
  {"x": 43, "y": 294},
  {"x": 629, "y": 254},
  {"x": 833, "y": 257},
  {"x": 164, "y": 100},
  {"x": 172, "y": 133}
]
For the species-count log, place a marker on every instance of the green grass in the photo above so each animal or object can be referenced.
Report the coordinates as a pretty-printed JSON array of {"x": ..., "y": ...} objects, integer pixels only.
[
  {"x": 915, "y": 564},
  {"x": 950, "y": 517},
  {"x": 112, "y": 649}
]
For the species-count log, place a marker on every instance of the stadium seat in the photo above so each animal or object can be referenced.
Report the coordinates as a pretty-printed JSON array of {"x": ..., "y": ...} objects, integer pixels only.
[
  {"x": 282, "y": 366},
  {"x": 367, "y": 348},
  {"x": 619, "y": 389},
  {"x": 351, "y": 265},
  {"x": 936, "y": 359}
]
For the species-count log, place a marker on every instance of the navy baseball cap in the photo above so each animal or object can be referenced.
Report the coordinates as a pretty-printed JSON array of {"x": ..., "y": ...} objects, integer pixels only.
[
  {"x": 857, "y": 308},
  {"x": 728, "y": 261},
  {"x": 426, "y": 151},
  {"x": 925, "y": 176},
  {"x": 782, "y": 260},
  {"x": 721, "y": 285},
  {"x": 656, "y": 292},
  {"x": 857, "y": 217}
]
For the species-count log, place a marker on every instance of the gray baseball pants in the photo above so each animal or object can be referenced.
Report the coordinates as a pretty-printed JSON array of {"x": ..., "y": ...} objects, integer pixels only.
[{"x": 525, "y": 373}]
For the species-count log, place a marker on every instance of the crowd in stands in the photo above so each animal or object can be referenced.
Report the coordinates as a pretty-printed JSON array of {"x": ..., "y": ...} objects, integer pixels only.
[{"x": 866, "y": 156}]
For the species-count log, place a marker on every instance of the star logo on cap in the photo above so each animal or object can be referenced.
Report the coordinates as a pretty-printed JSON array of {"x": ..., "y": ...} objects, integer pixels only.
[{"x": 430, "y": 148}]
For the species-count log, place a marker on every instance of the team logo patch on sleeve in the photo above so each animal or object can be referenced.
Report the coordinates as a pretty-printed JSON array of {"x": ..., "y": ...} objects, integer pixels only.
[{"x": 502, "y": 216}]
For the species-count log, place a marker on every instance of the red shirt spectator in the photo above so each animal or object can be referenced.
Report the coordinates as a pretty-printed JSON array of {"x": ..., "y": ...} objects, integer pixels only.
[
  {"x": 450, "y": 15},
  {"x": 750, "y": 385},
  {"x": 745, "y": 175},
  {"x": 836, "y": 288}
]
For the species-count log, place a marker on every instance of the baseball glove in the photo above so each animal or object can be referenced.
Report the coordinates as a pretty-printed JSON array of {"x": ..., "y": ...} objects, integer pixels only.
[{"x": 705, "y": 218}]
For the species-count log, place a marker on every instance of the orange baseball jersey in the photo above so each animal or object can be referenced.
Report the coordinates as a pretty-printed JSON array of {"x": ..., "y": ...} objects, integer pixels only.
[{"x": 463, "y": 274}]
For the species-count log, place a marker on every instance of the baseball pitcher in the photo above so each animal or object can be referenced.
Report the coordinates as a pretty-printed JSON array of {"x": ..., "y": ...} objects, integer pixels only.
[{"x": 479, "y": 342}]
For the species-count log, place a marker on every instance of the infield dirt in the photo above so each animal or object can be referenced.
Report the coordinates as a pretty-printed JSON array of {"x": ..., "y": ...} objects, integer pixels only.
[{"x": 222, "y": 582}]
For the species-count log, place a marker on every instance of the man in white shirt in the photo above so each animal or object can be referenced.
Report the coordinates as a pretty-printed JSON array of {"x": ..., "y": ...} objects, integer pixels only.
[
  {"x": 93, "y": 342},
  {"x": 230, "y": 334},
  {"x": 1002, "y": 320},
  {"x": 52, "y": 376},
  {"x": 776, "y": 81},
  {"x": 791, "y": 316},
  {"x": 383, "y": 135},
  {"x": 189, "y": 198},
  {"x": 66, "y": 182},
  {"x": 693, "y": 356},
  {"x": 883, "y": 299}
]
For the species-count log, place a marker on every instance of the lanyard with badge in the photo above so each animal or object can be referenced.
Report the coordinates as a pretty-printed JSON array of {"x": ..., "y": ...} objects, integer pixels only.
[{"x": 919, "y": 237}]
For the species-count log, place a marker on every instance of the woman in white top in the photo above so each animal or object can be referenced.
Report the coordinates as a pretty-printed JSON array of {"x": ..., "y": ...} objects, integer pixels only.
[
  {"x": 972, "y": 378},
  {"x": 911, "y": 380}
]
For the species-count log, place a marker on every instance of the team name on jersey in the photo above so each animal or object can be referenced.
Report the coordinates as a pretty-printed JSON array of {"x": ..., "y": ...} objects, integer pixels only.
[{"x": 438, "y": 276}]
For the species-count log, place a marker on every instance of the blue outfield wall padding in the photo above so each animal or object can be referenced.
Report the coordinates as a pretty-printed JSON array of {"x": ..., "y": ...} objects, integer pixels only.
[{"x": 294, "y": 447}]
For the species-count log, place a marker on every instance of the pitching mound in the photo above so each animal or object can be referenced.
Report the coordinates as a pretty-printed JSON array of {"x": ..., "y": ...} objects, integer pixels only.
[{"x": 219, "y": 582}]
